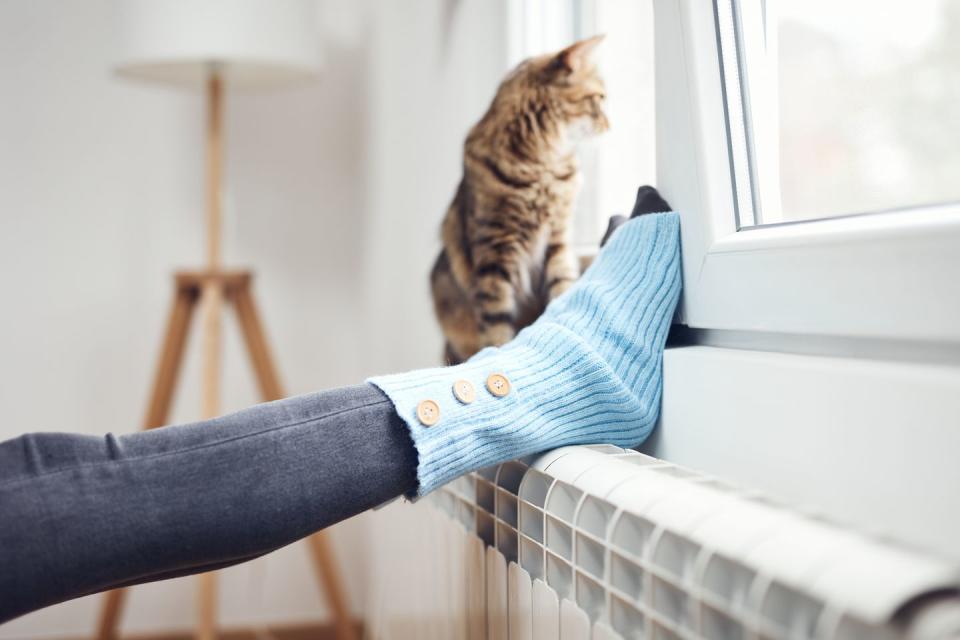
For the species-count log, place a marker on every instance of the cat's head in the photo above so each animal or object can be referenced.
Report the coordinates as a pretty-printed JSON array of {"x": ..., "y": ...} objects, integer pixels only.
[{"x": 565, "y": 87}]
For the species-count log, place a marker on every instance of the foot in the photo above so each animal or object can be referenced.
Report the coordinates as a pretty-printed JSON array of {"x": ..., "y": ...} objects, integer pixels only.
[
  {"x": 588, "y": 371},
  {"x": 648, "y": 201}
]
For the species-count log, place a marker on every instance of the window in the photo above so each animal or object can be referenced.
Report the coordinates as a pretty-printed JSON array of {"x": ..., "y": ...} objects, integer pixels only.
[
  {"x": 848, "y": 109},
  {"x": 763, "y": 114},
  {"x": 614, "y": 164},
  {"x": 823, "y": 364},
  {"x": 889, "y": 277},
  {"x": 824, "y": 345}
]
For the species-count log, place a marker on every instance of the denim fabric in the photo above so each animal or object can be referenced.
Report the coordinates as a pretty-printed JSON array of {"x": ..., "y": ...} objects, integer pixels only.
[{"x": 81, "y": 514}]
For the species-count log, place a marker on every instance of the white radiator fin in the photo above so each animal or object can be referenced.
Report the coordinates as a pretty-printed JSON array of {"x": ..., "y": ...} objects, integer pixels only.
[{"x": 598, "y": 542}]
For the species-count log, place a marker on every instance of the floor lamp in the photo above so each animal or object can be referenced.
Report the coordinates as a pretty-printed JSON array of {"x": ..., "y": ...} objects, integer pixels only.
[{"x": 210, "y": 45}]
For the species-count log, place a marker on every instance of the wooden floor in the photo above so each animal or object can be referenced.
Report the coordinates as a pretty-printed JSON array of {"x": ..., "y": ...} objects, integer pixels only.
[{"x": 315, "y": 631}]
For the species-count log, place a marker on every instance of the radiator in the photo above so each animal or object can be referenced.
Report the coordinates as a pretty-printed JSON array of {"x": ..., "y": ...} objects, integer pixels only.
[{"x": 597, "y": 543}]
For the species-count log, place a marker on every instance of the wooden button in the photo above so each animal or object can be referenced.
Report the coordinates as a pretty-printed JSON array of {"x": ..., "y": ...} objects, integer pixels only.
[
  {"x": 498, "y": 384},
  {"x": 428, "y": 413},
  {"x": 464, "y": 391}
]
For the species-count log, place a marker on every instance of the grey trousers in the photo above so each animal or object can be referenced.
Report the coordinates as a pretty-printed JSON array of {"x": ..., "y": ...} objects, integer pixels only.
[{"x": 81, "y": 514}]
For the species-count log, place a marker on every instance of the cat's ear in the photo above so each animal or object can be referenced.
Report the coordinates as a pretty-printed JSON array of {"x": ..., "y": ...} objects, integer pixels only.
[{"x": 577, "y": 55}]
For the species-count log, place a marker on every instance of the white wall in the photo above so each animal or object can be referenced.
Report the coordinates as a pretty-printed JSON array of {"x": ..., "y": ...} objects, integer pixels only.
[
  {"x": 436, "y": 67},
  {"x": 335, "y": 194}
]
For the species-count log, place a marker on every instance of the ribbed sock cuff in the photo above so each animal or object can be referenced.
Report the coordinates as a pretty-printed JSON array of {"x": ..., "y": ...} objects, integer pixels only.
[{"x": 561, "y": 394}]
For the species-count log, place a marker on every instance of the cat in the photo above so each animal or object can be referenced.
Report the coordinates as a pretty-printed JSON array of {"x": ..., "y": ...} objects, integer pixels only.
[{"x": 506, "y": 246}]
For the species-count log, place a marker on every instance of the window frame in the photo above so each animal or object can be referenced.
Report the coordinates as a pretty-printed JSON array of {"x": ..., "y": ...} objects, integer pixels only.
[{"x": 886, "y": 275}]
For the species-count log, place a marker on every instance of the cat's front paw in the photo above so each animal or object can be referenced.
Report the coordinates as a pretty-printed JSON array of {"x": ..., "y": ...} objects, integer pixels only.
[
  {"x": 558, "y": 288},
  {"x": 499, "y": 334}
]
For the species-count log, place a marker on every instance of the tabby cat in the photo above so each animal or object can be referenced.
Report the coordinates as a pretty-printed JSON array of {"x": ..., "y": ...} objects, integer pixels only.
[{"x": 506, "y": 245}]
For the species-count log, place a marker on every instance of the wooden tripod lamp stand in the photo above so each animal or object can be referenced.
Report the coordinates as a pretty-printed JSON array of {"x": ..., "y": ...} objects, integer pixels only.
[{"x": 210, "y": 44}]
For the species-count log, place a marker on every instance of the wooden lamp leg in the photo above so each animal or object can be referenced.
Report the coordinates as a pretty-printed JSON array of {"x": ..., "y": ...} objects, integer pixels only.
[
  {"x": 328, "y": 575},
  {"x": 206, "y": 606},
  {"x": 161, "y": 396},
  {"x": 256, "y": 341},
  {"x": 324, "y": 564},
  {"x": 212, "y": 300},
  {"x": 212, "y": 303}
]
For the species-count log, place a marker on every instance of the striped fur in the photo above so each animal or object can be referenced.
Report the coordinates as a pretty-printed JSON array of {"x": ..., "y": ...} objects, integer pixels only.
[{"x": 506, "y": 247}]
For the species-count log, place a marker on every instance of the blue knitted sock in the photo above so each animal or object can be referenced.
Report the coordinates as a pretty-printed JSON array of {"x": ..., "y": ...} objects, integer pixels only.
[{"x": 587, "y": 371}]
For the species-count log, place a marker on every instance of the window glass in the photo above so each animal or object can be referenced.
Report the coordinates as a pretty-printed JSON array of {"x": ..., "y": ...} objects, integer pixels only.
[
  {"x": 852, "y": 107},
  {"x": 614, "y": 164},
  {"x": 622, "y": 159}
]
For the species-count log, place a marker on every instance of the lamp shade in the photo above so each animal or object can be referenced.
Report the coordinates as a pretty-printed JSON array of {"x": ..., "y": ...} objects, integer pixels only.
[{"x": 252, "y": 43}]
